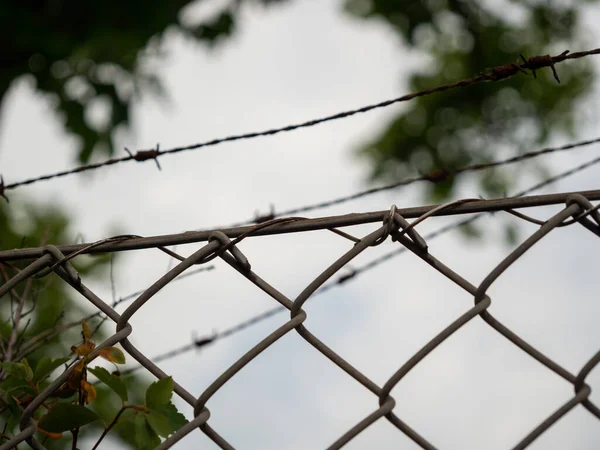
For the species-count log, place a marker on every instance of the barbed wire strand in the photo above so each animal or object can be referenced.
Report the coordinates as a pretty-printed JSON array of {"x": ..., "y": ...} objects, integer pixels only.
[
  {"x": 201, "y": 342},
  {"x": 436, "y": 176},
  {"x": 495, "y": 74}
]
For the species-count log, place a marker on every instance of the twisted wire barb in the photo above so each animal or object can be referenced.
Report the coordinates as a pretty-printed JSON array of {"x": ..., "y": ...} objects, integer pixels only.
[{"x": 496, "y": 74}]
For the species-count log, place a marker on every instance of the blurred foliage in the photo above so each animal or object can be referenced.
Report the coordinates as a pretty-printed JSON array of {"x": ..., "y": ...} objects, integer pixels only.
[
  {"x": 50, "y": 304},
  {"x": 462, "y": 38},
  {"x": 85, "y": 55}
]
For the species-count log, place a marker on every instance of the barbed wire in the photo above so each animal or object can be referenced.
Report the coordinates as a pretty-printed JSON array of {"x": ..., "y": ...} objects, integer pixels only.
[
  {"x": 495, "y": 74},
  {"x": 436, "y": 176},
  {"x": 241, "y": 326}
]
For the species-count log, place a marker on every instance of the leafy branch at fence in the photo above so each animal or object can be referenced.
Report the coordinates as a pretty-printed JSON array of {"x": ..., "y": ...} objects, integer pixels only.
[
  {"x": 497, "y": 73},
  {"x": 67, "y": 407}
]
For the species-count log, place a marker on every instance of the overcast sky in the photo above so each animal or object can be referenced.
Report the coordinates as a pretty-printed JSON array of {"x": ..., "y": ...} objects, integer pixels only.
[{"x": 285, "y": 65}]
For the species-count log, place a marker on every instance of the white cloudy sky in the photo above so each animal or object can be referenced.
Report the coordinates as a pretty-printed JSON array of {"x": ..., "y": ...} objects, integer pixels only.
[{"x": 285, "y": 65}]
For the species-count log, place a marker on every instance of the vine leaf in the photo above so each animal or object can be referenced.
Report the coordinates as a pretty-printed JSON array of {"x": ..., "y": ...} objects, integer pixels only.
[
  {"x": 65, "y": 417},
  {"x": 145, "y": 436},
  {"x": 46, "y": 366},
  {"x": 159, "y": 423},
  {"x": 112, "y": 381},
  {"x": 159, "y": 393},
  {"x": 175, "y": 418}
]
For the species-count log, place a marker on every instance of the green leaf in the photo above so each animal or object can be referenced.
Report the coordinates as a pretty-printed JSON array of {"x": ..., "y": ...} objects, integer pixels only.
[
  {"x": 13, "y": 368},
  {"x": 46, "y": 366},
  {"x": 145, "y": 436},
  {"x": 12, "y": 415},
  {"x": 159, "y": 393},
  {"x": 112, "y": 381},
  {"x": 19, "y": 376},
  {"x": 175, "y": 418},
  {"x": 65, "y": 417},
  {"x": 28, "y": 371},
  {"x": 13, "y": 383},
  {"x": 159, "y": 423}
]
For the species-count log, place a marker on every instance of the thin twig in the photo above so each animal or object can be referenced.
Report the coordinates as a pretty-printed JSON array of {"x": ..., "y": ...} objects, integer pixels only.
[
  {"x": 113, "y": 423},
  {"x": 18, "y": 313}
]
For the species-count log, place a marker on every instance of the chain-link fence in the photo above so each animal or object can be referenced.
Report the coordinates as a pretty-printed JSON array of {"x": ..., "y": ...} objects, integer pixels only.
[{"x": 393, "y": 224}]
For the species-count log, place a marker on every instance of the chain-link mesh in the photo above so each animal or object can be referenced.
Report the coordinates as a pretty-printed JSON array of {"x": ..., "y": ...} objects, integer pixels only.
[{"x": 577, "y": 210}]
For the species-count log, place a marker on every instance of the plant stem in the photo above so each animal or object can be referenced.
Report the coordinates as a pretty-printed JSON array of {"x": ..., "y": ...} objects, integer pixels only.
[
  {"x": 111, "y": 425},
  {"x": 81, "y": 403},
  {"x": 17, "y": 316}
]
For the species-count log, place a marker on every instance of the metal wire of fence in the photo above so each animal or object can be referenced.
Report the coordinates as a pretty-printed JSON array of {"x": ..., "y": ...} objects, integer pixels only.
[
  {"x": 346, "y": 277},
  {"x": 390, "y": 224},
  {"x": 202, "y": 341}
]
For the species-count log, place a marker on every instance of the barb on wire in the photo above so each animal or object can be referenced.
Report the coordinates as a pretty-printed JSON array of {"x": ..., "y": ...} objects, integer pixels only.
[
  {"x": 496, "y": 74},
  {"x": 436, "y": 176},
  {"x": 352, "y": 274},
  {"x": 145, "y": 155}
]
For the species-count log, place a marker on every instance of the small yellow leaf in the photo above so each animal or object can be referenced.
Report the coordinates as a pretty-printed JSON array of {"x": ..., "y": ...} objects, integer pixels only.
[
  {"x": 83, "y": 349},
  {"x": 86, "y": 331},
  {"x": 75, "y": 376},
  {"x": 113, "y": 354},
  {"x": 89, "y": 391}
]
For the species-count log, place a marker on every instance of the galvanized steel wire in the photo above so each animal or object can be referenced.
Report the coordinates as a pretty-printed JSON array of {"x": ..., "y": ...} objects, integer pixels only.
[{"x": 497, "y": 73}]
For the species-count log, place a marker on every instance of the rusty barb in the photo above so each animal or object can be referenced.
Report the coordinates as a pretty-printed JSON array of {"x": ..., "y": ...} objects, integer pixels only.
[
  {"x": 534, "y": 63},
  {"x": 537, "y": 62},
  {"x": 145, "y": 155}
]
